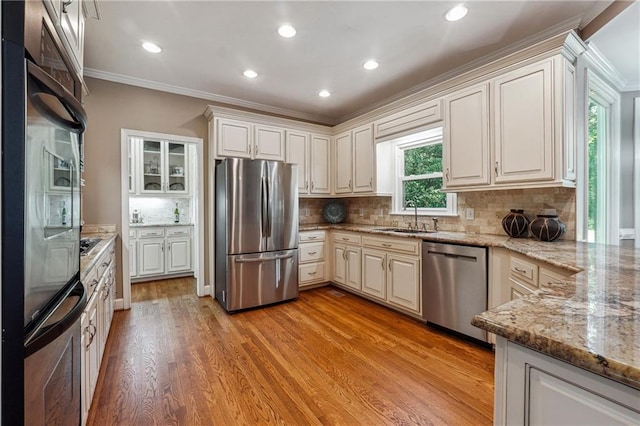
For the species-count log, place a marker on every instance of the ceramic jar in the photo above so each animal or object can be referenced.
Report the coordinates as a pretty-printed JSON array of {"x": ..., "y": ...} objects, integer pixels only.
[
  {"x": 515, "y": 223},
  {"x": 547, "y": 227}
]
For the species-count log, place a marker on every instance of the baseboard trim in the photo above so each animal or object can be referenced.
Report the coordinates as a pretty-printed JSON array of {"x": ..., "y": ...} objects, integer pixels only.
[{"x": 119, "y": 305}]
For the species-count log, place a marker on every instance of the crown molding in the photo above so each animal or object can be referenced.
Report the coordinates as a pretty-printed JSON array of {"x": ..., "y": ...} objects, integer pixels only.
[
  {"x": 260, "y": 118},
  {"x": 599, "y": 63},
  {"x": 199, "y": 94}
]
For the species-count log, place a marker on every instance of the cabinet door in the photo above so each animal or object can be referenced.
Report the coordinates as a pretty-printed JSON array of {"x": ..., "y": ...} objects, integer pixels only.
[
  {"x": 72, "y": 23},
  {"x": 339, "y": 264},
  {"x": 374, "y": 268},
  {"x": 85, "y": 337},
  {"x": 363, "y": 159},
  {"x": 233, "y": 138},
  {"x": 319, "y": 166},
  {"x": 133, "y": 258},
  {"x": 466, "y": 137},
  {"x": 343, "y": 163},
  {"x": 403, "y": 281},
  {"x": 91, "y": 347},
  {"x": 152, "y": 179},
  {"x": 176, "y": 172},
  {"x": 354, "y": 268},
  {"x": 101, "y": 314},
  {"x": 178, "y": 254},
  {"x": 298, "y": 153},
  {"x": 151, "y": 256},
  {"x": 132, "y": 146},
  {"x": 523, "y": 131},
  {"x": 269, "y": 143}
]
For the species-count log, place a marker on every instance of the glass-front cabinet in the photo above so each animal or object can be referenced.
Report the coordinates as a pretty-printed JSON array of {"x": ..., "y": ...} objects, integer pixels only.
[
  {"x": 61, "y": 176},
  {"x": 162, "y": 167}
]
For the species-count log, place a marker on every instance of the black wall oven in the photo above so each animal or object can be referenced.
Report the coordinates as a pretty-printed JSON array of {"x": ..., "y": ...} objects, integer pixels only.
[{"x": 42, "y": 297}]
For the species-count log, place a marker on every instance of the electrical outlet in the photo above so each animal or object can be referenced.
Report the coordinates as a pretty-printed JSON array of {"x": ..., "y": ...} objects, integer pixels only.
[
  {"x": 306, "y": 211},
  {"x": 380, "y": 212},
  {"x": 361, "y": 212},
  {"x": 470, "y": 214}
]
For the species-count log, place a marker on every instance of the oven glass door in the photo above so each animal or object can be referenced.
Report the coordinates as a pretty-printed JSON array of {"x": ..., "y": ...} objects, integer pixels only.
[{"x": 55, "y": 122}]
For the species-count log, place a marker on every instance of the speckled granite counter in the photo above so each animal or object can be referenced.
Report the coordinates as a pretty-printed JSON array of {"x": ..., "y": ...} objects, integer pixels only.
[
  {"x": 591, "y": 320},
  {"x": 148, "y": 225},
  {"x": 106, "y": 234}
]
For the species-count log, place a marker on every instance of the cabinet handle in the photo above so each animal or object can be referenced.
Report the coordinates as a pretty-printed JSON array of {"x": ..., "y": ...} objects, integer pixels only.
[
  {"x": 162, "y": 247},
  {"x": 94, "y": 282},
  {"x": 522, "y": 271},
  {"x": 306, "y": 184},
  {"x": 312, "y": 185},
  {"x": 496, "y": 169},
  {"x": 312, "y": 238},
  {"x": 312, "y": 273},
  {"x": 249, "y": 149},
  {"x": 311, "y": 253},
  {"x": 386, "y": 245},
  {"x": 345, "y": 239},
  {"x": 382, "y": 264},
  {"x": 257, "y": 149},
  {"x": 350, "y": 184},
  {"x": 371, "y": 182},
  {"x": 65, "y": 4},
  {"x": 446, "y": 175},
  {"x": 389, "y": 264}
]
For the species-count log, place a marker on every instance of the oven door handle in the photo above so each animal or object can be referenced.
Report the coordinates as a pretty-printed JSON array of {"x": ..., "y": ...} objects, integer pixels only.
[
  {"x": 41, "y": 82},
  {"x": 47, "y": 333}
]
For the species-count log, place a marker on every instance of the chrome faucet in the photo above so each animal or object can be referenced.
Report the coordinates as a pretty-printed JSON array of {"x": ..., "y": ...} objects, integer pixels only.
[
  {"x": 435, "y": 224},
  {"x": 415, "y": 209}
]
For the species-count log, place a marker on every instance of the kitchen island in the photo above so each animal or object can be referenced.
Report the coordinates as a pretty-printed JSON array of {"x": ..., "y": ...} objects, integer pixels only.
[{"x": 590, "y": 320}]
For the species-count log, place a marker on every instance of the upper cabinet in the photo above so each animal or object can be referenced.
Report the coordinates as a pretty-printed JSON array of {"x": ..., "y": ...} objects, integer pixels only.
[
  {"x": 311, "y": 153},
  {"x": 69, "y": 18},
  {"x": 162, "y": 167},
  {"x": 246, "y": 140},
  {"x": 411, "y": 118},
  {"x": 354, "y": 159},
  {"x": 531, "y": 142}
]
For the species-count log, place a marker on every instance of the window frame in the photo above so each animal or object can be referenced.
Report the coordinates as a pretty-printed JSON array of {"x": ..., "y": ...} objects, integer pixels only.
[{"x": 430, "y": 137}]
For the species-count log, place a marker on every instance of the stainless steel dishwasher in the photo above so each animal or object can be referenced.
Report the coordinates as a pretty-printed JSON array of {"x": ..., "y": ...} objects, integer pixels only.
[{"x": 454, "y": 286}]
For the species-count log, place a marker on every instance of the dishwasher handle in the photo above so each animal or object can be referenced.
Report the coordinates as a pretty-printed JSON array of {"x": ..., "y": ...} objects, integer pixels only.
[{"x": 453, "y": 256}]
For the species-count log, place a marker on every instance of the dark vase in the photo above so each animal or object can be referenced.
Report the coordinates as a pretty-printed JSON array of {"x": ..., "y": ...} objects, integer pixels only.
[
  {"x": 515, "y": 223},
  {"x": 547, "y": 227}
]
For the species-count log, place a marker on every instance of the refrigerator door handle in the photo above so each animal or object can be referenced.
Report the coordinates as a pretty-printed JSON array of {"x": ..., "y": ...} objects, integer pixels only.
[
  {"x": 263, "y": 259},
  {"x": 268, "y": 207},
  {"x": 264, "y": 204}
]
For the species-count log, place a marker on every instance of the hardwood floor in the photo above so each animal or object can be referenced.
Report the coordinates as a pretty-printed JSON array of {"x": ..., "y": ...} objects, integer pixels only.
[{"x": 327, "y": 358}]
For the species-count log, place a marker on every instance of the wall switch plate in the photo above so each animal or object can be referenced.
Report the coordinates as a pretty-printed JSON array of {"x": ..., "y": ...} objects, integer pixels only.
[
  {"x": 361, "y": 212},
  {"x": 469, "y": 213}
]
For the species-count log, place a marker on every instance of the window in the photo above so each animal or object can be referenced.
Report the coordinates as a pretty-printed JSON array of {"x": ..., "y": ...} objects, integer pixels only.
[{"x": 418, "y": 175}]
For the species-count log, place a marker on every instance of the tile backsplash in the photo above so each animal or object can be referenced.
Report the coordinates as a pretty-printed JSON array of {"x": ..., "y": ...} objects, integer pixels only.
[
  {"x": 160, "y": 210},
  {"x": 489, "y": 209}
]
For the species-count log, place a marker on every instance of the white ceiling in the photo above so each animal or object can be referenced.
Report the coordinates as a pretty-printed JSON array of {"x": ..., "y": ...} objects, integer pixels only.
[
  {"x": 207, "y": 45},
  {"x": 619, "y": 42}
]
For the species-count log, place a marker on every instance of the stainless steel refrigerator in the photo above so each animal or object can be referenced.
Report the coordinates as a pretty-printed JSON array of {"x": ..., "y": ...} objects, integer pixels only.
[{"x": 256, "y": 237}]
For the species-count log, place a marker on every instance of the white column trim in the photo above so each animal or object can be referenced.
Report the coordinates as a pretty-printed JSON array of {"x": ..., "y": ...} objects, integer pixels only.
[{"x": 636, "y": 168}]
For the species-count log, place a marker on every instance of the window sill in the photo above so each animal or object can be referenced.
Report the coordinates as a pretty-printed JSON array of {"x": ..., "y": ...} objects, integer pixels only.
[{"x": 423, "y": 213}]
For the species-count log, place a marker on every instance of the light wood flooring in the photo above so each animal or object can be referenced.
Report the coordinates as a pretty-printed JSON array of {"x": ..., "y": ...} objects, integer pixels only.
[{"x": 327, "y": 358}]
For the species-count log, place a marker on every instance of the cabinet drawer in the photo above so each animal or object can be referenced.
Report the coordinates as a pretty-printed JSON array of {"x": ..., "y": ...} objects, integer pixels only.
[
  {"x": 311, "y": 236},
  {"x": 91, "y": 282},
  {"x": 151, "y": 233},
  {"x": 311, "y": 272},
  {"x": 311, "y": 252},
  {"x": 402, "y": 245},
  {"x": 523, "y": 270},
  {"x": 343, "y": 237},
  {"x": 179, "y": 230},
  {"x": 546, "y": 277}
]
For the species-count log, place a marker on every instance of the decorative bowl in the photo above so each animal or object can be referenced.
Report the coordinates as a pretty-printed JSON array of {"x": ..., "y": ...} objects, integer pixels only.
[{"x": 334, "y": 211}]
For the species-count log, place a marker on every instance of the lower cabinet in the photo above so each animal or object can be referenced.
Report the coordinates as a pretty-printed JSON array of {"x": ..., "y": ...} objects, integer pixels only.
[
  {"x": 532, "y": 388},
  {"x": 312, "y": 269},
  {"x": 347, "y": 267},
  {"x": 95, "y": 323},
  {"x": 161, "y": 250}
]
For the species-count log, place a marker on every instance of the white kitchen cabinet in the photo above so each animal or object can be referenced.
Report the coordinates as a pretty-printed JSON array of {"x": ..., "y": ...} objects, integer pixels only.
[
  {"x": 391, "y": 277},
  {"x": 133, "y": 254},
  {"x": 320, "y": 166},
  {"x": 466, "y": 137},
  {"x": 523, "y": 132},
  {"x": 72, "y": 23},
  {"x": 162, "y": 251},
  {"x": 241, "y": 139},
  {"x": 533, "y": 388},
  {"x": 343, "y": 163},
  {"x": 178, "y": 254},
  {"x": 311, "y": 257},
  {"x": 268, "y": 143},
  {"x": 311, "y": 153},
  {"x": 402, "y": 122},
  {"x": 354, "y": 161},
  {"x": 347, "y": 268},
  {"x": 163, "y": 168},
  {"x": 151, "y": 256},
  {"x": 90, "y": 358},
  {"x": 363, "y": 159}
]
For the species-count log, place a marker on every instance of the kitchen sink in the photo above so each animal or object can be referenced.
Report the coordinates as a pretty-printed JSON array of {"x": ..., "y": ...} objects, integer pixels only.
[{"x": 406, "y": 230}]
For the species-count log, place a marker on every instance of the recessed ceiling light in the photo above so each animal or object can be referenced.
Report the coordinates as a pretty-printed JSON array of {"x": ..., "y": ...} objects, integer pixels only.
[
  {"x": 151, "y": 47},
  {"x": 324, "y": 93},
  {"x": 371, "y": 64},
  {"x": 250, "y": 73},
  {"x": 456, "y": 13},
  {"x": 287, "y": 31}
]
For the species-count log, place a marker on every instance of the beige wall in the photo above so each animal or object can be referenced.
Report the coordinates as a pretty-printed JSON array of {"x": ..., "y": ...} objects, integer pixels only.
[{"x": 112, "y": 107}]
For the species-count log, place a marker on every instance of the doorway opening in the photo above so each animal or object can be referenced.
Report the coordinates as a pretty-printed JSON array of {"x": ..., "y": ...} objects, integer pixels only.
[{"x": 162, "y": 209}]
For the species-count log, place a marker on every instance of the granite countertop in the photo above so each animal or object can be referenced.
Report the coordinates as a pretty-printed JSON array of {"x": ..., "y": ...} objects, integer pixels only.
[
  {"x": 87, "y": 263},
  {"x": 591, "y": 320},
  {"x": 144, "y": 224}
]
